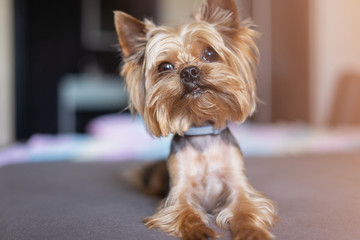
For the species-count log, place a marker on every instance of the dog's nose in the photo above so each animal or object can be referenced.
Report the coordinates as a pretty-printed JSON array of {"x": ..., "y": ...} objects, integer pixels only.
[{"x": 190, "y": 74}]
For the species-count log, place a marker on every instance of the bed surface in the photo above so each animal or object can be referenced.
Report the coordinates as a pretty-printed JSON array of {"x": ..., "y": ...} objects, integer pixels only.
[{"x": 318, "y": 198}]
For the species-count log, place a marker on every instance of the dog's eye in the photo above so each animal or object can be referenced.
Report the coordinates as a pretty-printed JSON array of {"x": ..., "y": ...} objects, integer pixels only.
[
  {"x": 165, "y": 66},
  {"x": 209, "y": 55}
]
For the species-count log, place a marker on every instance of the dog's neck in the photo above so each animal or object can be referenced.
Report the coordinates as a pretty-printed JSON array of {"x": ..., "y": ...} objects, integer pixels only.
[
  {"x": 203, "y": 140},
  {"x": 204, "y": 130}
]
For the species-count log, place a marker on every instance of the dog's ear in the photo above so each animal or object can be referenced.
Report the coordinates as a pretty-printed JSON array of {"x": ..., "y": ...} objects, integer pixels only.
[
  {"x": 131, "y": 32},
  {"x": 132, "y": 38},
  {"x": 211, "y": 9},
  {"x": 222, "y": 13}
]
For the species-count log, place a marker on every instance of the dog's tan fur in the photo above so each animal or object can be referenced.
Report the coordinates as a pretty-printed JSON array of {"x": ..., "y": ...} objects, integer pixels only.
[{"x": 206, "y": 172}]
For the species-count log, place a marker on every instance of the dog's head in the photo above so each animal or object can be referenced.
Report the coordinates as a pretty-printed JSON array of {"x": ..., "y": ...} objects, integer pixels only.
[{"x": 194, "y": 74}]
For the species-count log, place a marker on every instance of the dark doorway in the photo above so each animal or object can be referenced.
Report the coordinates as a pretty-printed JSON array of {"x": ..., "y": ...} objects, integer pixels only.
[{"x": 50, "y": 44}]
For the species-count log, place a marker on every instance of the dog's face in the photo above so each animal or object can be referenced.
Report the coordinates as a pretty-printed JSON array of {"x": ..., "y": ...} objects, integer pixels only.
[{"x": 194, "y": 74}]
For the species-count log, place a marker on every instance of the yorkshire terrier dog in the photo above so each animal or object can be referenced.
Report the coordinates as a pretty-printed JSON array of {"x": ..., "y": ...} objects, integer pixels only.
[{"x": 191, "y": 81}]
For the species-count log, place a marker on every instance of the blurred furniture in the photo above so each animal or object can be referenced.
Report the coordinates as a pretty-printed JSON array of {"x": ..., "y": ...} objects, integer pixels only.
[
  {"x": 290, "y": 55},
  {"x": 345, "y": 109},
  {"x": 317, "y": 196},
  {"x": 88, "y": 93}
]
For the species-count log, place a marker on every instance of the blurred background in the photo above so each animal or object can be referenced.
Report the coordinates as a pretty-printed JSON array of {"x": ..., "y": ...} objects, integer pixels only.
[{"x": 59, "y": 69}]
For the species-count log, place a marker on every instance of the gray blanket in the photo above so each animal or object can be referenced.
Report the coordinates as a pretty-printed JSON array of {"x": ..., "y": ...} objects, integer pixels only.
[{"x": 318, "y": 199}]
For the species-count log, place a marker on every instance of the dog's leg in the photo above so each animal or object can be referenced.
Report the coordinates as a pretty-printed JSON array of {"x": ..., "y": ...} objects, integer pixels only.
[
  {"x": 252, "y": 216},
  {"x": 249, "y": 215},
  {"x": 181, "y": 214},
  {"x": 247, "y": 212}
]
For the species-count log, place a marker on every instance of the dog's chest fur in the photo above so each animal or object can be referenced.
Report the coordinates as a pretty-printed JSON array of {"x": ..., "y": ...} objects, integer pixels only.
[{"x": 208, "y": 162}]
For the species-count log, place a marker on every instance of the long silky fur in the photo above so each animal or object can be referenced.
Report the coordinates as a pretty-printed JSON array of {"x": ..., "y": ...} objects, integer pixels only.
[
  {"x": 231, "y": 86},
  {"x": 206, "y": 172}
]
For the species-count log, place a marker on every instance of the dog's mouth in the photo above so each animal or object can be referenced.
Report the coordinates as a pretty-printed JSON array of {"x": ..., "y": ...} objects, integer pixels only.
[
  {"x": 194, "y": 89},
  {"x": 196, "y": 92}
]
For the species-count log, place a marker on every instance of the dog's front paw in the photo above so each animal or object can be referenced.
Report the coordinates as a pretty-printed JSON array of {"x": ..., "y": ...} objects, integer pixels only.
[
  {"x": 180, "y": 221},
  {"x": 198, "y": 233},
  {"x": 252, "y": 233}
]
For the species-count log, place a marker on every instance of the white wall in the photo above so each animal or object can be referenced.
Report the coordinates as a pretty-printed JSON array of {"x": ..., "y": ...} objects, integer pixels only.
[
  {"x": 335, "y": 50},
  {"x": 6, "y": 73},
  {"x": 174, "y": 12}
]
